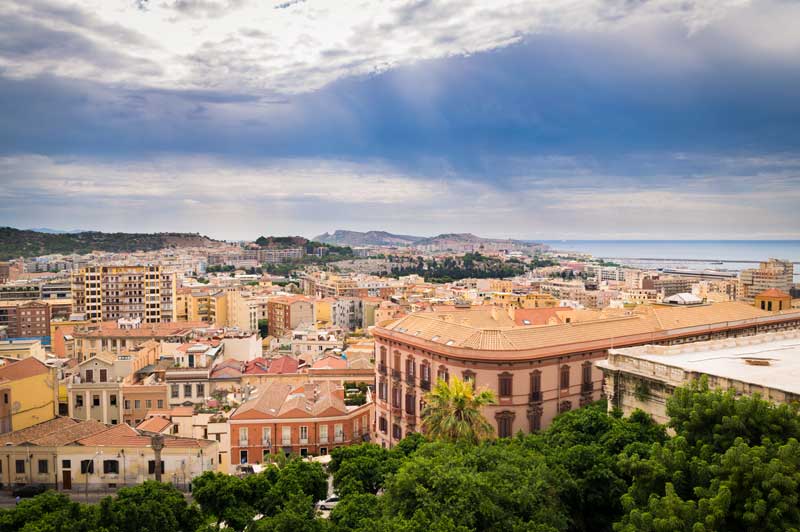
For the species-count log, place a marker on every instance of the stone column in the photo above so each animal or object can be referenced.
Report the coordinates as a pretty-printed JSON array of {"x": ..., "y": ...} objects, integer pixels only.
[{"x": 104, "y": 404}]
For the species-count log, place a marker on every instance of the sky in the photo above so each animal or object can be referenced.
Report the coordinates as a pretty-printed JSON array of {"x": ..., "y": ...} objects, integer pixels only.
[{"x": 538, "y": 119}]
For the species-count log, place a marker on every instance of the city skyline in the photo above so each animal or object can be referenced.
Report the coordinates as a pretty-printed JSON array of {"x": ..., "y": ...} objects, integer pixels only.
[{"x": 529, "y": 120}]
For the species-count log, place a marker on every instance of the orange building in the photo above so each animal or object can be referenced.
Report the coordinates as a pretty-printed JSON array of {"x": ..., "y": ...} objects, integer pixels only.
[{"x": 306, "y": 419}]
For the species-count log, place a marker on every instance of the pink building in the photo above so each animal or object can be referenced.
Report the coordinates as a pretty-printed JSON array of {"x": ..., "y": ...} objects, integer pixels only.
[{"x": 538, "y": 370}]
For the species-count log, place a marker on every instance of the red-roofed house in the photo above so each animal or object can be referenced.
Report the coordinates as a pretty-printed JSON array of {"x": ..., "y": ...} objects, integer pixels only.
[
  {"x": 773, "y": 300},
  {"x": 283, "y": 365},
  {"x": 306, "y": 419}
]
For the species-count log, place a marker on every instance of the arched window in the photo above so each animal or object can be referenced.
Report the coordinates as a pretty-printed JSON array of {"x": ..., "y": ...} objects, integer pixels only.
[
  {"x": 535, "y": 418},
  {"x": 536, "y": 385},
  {"x": 564, "y": 377},
  {"x": 505, "y": 384},
  {"x": 505, "y": 423},
  {"x": 468, "y": 376}
]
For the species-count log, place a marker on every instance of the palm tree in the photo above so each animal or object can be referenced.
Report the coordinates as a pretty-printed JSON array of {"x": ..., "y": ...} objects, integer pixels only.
[{"x": 453, "y": 412}]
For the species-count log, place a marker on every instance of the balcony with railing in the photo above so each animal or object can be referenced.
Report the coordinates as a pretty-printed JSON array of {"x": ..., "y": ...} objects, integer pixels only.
[
  {"x": 242, "y": 442},
  {"x": 323, "y": 439},
  {"x": 286, "y": 441},
  {"x": 587, "y": 387},
  {"x": 535, "y": 397},
  {"x": 410, "y": 379},
  {"x": 425, "y": 385},
  {"x": 266, "y": 443},
  {"x": 396, "y": 374},
  {"x": 303, "y": 441},
  {"x": 382, "y": 369}
]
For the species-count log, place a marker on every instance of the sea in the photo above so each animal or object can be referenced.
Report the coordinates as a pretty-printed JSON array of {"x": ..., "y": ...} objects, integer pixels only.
[{"x": 724, "y": 255}]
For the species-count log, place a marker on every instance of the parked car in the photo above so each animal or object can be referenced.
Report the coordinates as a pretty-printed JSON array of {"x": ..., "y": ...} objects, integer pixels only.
[
  {"x": 29, "y": 490},
  {"x": 328, "y": 503}
]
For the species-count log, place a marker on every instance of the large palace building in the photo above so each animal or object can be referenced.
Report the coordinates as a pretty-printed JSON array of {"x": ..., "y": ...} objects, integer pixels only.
[{"x": 539, "y": 362}]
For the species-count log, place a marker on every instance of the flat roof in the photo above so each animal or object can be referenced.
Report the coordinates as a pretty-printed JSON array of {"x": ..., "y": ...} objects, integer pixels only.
[{"x": 771, "y": 360}]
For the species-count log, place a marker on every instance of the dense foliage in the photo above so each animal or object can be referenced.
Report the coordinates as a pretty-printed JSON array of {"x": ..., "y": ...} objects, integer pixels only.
[
  {"x": 469, "y": 266},
  {"x": 733, "y": 464},
  {"x": 22, "y": 243}
]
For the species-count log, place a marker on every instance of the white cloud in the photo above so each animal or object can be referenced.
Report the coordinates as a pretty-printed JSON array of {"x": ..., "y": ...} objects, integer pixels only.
[
  {"x": 241, "y": 200},
  {"x": 264, "y": 47}
]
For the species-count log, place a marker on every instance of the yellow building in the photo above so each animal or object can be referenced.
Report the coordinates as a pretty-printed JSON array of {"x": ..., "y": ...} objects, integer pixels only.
[
  {"x": 22, "y": 349},
  {"x": 500, "y": 285},
  {"x": 204, "y": 305},
  {"x": 31, "y": 388},
  {"x": 323, "y": 310},
  {"x": 533, "y": 300},
  {"x": 773, "y": 300}
]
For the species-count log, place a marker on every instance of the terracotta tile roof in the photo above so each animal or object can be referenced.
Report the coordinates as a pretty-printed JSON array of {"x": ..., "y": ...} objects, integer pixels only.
[
  {"x": 126, "y": 436},
  {"x": 23, "y": 369},
  {"x": 118, "y": 435},
  {"x": 154, "y": 424},
  {"x": 486, "y": 330},
  {"x": 773, "y": 292},
  {"x": 37, "y": 431},
  {"x": 284, "y": 364},
  {"x": 278, "y": 400},
  {"x": 257, "y": 366},
  {"x": 536, "y": 316},
  {"x": 67, "y": 435},
  {"x": 330, "y": 362},
  {"x": 182, "y": 411}
]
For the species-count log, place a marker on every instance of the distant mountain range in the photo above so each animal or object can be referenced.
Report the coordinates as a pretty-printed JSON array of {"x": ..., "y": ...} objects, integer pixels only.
[
  {"x": 28, "y": 243},
  {"x": 341, "y": 237},
  {"x": 56, "y": 231}
]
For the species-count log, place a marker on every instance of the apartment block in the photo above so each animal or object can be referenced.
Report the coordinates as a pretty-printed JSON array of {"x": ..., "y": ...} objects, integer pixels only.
[
  {"x": 25, "y": 319},
  {"x": 288, "y": 313},
  {"x": 106, "y": 293},
  {"x": 773, "y": 273}
]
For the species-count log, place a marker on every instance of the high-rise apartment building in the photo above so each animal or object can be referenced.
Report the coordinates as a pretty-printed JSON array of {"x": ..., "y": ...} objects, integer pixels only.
[
  {"x": 773, "y": 273},
  {"x": 107, "y": 293}
]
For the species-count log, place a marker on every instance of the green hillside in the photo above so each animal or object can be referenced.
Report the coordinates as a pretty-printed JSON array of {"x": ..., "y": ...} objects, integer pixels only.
[{"x": 22, "y": 243}]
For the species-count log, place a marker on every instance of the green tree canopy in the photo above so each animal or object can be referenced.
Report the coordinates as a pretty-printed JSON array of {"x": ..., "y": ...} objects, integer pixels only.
[{"x": 453, "y": 412}]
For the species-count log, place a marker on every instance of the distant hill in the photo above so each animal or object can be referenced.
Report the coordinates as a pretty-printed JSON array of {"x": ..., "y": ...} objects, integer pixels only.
[
  {"x": 281, "y": 242},
  {"x": 340, "y": 237},
  {"x": 56, "y": 231},
  {"x": 456, "y": 238},
  {"x": 26, "y": 243}
]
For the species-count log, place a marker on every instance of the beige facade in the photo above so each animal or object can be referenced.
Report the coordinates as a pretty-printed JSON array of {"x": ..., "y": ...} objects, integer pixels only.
[
  {"x": 645, "y": 377},
  {"x": 106, "y": 293},
  {"x": 773, "y": 273},
  {"x": 72, "y": 455}
]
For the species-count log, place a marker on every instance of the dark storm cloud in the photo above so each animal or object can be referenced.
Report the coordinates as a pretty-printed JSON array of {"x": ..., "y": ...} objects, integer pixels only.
[{"x": 606, "y": 128}]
